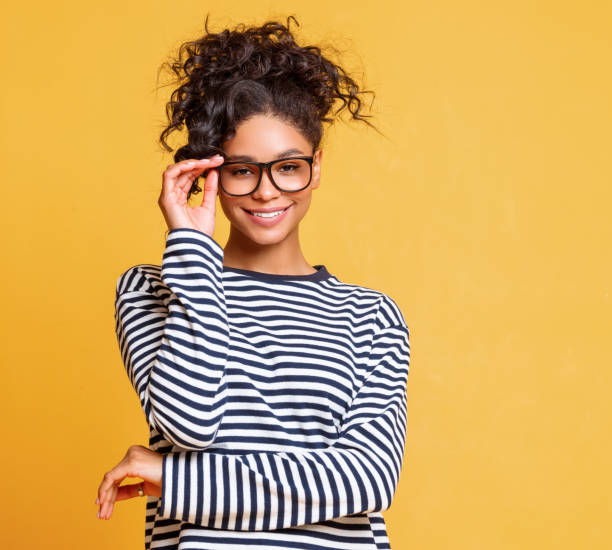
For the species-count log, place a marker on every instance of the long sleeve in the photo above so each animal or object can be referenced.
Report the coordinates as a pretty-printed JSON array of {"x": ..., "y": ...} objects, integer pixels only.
[
  {"x": 173, "y": 336},
  {"x": 358, "y": 473}
]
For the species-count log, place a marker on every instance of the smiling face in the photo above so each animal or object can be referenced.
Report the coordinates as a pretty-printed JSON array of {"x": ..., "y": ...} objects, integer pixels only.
[{"x": 265, "y": 138}]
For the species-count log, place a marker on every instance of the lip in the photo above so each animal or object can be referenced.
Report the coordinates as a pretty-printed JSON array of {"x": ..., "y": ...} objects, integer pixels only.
[
  {"x": 267, "y": 222},
  {"x": 271, "y": 209}
]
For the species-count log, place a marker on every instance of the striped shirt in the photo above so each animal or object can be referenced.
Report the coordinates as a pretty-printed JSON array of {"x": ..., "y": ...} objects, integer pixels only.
[{"x": 278, "y": 401}]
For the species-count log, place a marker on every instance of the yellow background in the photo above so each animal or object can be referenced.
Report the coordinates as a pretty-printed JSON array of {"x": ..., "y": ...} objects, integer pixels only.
[{"x": 484, "y": 214}]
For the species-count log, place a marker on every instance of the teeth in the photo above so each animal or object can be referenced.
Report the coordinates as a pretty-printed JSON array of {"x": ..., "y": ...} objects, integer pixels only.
[{"x": 268, "y": 214}]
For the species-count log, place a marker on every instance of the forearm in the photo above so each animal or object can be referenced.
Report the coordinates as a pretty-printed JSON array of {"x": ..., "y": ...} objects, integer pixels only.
[
  {"x": 358, "y": 473},
  {"x": 174, "y": 336},
  {"x": 262, "y": 491}
]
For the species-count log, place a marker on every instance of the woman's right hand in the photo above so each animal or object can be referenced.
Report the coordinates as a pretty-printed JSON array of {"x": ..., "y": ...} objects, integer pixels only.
[{"x": 176, "y": 182}]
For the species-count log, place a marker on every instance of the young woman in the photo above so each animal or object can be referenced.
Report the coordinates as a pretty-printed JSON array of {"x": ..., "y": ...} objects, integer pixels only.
[{"x": 275, "y": 393}]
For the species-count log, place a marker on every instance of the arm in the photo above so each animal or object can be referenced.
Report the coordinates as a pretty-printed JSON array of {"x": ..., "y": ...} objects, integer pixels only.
[
  {"x": 272, "y": 490},
  {"x": 173, "y": 337}
]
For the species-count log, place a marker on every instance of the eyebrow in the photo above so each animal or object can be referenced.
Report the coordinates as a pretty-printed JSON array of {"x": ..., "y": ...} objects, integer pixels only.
[{"x": 287, "y": 153}]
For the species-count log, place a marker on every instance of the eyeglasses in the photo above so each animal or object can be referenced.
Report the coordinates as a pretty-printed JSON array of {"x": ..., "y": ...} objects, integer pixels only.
[{"x": 288, "y": 175}]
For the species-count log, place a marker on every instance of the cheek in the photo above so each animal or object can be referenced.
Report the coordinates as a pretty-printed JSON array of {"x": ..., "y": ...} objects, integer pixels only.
[
  {"x": 229, "y": 208},
  {"x": 300, "y": 208},
  {"x": 303, "y": 203}
]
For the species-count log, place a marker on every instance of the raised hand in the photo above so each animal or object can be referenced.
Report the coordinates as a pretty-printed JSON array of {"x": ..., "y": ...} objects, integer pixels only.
[{"x": 176, "y": 182}]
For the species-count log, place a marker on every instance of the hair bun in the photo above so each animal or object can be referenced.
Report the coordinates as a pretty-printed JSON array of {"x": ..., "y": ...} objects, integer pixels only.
[{"x": 225, "y": 77}]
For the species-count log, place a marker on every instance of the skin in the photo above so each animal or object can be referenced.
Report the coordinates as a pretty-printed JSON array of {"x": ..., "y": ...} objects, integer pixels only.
[
  {"x": 249, "y": 246},
  {"x": 268, "y": 249}
]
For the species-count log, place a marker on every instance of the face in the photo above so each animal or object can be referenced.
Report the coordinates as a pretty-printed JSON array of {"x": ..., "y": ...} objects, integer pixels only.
[{"x": 265, "y": 138}]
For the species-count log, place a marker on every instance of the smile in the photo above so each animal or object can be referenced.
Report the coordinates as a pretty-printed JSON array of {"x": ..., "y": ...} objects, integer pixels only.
[
  {"x": 267, "y": 218},
  {"x": 268, "y": 214}
]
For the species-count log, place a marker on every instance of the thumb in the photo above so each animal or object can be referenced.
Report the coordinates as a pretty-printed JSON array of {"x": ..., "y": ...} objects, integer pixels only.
[{"x": 211, "y": 185}]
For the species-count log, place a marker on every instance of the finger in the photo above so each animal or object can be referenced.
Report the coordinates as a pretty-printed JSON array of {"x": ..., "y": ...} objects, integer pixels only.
[
  {"x": 111, "y": 478},
  {"x": 128, "y": 491},
  {"x": 107, "y": 507},
  {"x": 111, "y": 505},
  {"x": 211, "y": 187},
  {"x": 180, "y": 183},
  {"x": 178, "y": 167},
  {"x": 184, "y": 180},
  {"x": 173, "y": 171},
  {"x": 114, "y": 476}
]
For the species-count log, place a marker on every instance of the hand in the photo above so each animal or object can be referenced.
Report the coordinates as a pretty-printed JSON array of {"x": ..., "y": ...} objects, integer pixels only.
[
  {"x": 176, "y": 182},
  {"x": 140, "y": 462}
]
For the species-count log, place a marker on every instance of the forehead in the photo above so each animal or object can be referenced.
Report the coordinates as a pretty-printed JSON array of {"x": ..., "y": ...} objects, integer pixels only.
[{"x": 264, "y": 137}]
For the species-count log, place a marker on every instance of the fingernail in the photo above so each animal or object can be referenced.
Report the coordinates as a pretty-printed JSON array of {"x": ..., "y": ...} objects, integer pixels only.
[{"x": 98, "y": 513}]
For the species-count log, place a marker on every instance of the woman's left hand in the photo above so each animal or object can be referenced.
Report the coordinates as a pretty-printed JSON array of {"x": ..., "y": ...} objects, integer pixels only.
[{"x": 140, "y": 462}]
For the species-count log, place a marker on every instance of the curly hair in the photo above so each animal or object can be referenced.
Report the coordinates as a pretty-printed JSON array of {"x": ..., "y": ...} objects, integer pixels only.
[{"x": 226, "y": 77}]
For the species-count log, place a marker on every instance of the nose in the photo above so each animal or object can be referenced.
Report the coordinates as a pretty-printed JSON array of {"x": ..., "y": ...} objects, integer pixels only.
[{"x": 266, "y": 189}]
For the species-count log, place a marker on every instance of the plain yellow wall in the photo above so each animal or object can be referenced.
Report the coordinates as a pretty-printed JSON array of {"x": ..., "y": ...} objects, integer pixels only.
[{"x": 485, "y": 215}]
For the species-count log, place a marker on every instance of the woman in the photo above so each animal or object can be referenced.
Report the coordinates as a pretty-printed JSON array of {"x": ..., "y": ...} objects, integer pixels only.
[{"x": 275, "y": 393}]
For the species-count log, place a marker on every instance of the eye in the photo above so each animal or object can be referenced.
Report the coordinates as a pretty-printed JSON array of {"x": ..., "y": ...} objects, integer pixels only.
[
  {"x": 289, "y": 168},
  {"x": 240, "y": 171}
]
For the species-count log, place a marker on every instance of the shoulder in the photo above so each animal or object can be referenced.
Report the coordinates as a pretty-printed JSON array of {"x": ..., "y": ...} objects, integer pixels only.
[
  {"x": 139, "y": 278},
  {"x": 388, "y": 312},
  {"x": 355, "y": 290}
]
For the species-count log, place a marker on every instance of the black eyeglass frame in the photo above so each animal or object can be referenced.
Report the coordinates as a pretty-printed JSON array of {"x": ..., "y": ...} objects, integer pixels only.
[{"x": 268, "y": 167}]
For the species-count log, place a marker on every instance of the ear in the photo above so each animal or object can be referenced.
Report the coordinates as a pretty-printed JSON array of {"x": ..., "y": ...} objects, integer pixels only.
[{"x": 316, "y": 168}]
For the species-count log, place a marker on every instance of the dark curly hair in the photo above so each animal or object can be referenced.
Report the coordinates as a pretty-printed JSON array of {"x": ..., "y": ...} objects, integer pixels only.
[{"x": 226, "y": 77}]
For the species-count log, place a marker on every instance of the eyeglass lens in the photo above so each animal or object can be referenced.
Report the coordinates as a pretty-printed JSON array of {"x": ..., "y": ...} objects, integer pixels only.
[{"x": 289, "y": 175}]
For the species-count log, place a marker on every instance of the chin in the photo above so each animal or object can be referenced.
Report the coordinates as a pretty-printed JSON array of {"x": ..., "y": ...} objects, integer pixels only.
[{"x": 266, "y": 237}]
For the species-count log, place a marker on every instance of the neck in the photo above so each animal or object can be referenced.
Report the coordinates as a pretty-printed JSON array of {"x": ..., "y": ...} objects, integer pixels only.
[{"x": 283, "y": 258}]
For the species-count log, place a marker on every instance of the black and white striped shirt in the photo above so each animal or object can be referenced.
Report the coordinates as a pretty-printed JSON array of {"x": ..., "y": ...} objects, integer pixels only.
[{"x": 278, "y": 401}]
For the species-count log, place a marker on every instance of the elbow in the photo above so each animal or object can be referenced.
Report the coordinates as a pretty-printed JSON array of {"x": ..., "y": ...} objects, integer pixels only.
[
  {"x": 387, "y": 490},
  {"x": 386, "y": 501},
  {"x": 383, "y": 502},
  {"x": 188, "y": 428},
  {"x": 389, "y": 494},
  {"x": 185, "y": 435}
]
